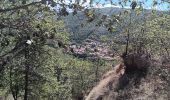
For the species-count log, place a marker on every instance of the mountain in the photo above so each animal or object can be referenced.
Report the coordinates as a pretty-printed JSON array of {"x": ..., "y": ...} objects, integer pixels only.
[{"x": 81, "y": 29}]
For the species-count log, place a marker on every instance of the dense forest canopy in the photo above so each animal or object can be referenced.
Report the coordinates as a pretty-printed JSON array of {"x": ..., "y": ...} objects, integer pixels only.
[{"x": 59, "y": 49}]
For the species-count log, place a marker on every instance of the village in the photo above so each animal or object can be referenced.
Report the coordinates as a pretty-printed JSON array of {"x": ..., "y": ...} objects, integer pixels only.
[{"x": 92, "y": 49}]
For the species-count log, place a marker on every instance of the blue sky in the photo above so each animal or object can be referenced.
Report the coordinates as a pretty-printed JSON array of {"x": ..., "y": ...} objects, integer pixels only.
[{"x": 148, "y": 4}]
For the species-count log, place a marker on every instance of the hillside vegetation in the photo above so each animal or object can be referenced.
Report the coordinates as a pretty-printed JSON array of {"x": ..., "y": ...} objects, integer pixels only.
[{"x": 55, "y": 50}]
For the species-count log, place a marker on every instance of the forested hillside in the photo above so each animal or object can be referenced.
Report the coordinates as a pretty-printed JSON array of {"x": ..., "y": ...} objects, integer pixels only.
[{"x": 75, "y": 50}]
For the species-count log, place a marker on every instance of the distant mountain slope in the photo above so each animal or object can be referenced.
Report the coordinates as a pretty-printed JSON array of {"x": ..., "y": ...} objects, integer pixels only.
[{"x": 81, "y": 29}]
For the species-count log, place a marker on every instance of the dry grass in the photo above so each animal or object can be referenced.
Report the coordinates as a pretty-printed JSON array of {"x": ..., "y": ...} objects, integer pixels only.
[
  {"x": 107, "y": 85},
  {"x": 139, "y": 82}
]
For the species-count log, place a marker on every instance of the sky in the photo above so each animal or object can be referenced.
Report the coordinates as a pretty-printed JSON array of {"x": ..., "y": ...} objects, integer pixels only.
[{"x": 147, "y": 4}]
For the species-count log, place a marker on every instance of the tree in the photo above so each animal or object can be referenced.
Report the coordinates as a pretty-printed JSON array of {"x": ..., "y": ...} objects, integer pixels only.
[
  {"x": 30, "y": 32},
  {"x": 26, "y": 27}
]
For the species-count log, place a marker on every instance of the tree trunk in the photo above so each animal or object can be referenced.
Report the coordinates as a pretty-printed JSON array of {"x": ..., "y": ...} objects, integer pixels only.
[
  {"x": 127, "y": 44},
  {"x": 26, "y": 72},
  {"x": 96, "y": 71},
  {"x": 14, "y": 92}
]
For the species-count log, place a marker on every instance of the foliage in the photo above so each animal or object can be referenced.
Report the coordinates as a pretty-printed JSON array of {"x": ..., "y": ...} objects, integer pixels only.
[
  {"x": 32, "y": 66},
  {"x": 158, "y": 34},
  {"x": 25, "y": 30}
]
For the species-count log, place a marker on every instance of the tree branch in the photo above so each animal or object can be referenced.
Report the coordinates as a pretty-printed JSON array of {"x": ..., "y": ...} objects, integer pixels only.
[
  {"x": 7, "y": 57},
  {"x": 19, "y": 7}
]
